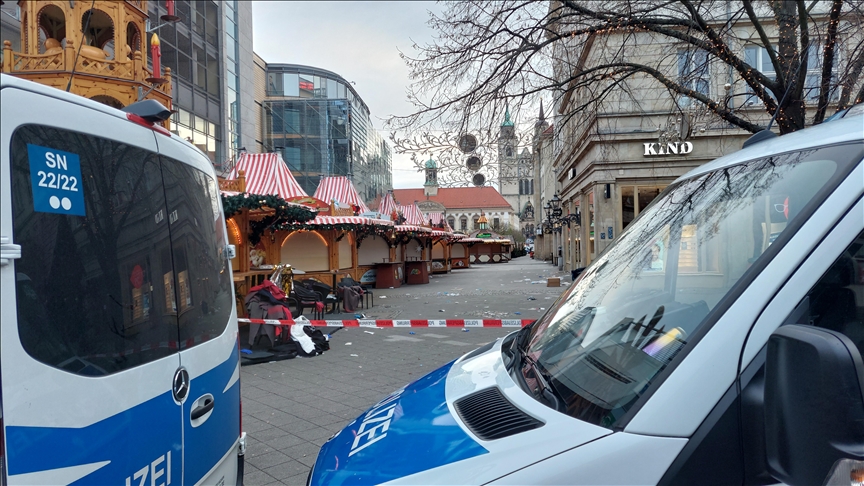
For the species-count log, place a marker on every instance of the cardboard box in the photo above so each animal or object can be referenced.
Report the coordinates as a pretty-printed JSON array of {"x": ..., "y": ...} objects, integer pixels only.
[{"x": 553, "y": 282}]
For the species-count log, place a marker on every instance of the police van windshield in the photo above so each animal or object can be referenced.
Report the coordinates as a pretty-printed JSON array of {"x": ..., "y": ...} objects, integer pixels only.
[{"x": 605, "y": 340}]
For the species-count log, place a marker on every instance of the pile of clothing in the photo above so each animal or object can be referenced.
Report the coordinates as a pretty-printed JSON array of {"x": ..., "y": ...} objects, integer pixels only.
[
  {"x": 352, "y": 296},
  {"x": 266, "y": 301}
]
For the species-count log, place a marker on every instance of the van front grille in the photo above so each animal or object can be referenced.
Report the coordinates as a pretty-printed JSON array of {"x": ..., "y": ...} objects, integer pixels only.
[{"x": 489, "y": 415}]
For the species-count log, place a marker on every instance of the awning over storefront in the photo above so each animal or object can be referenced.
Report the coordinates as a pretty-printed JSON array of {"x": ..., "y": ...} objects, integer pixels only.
[
  {"x": 267, "y": 174},
  {"x": 322, "y": 221},
  {"x": 341, "y": 190},
  {"x": 411, "y": 228}
]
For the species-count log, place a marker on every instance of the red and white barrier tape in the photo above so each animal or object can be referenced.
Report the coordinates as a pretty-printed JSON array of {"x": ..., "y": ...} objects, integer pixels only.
[{"x": 401, "y": 322}]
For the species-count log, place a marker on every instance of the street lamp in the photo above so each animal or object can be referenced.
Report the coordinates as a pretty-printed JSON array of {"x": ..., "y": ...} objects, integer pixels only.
[{"x": 556, "y": 206}]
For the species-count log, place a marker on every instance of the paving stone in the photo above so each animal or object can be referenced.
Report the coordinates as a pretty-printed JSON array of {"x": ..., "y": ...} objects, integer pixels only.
[{"x": 292, "y": 407}]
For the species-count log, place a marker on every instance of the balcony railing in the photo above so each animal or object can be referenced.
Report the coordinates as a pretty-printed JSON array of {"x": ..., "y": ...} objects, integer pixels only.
[{"x": 134, "y": 69}]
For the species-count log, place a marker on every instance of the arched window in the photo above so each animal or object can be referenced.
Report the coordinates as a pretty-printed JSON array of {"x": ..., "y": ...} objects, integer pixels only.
[
  {"x": 52, "y": 25},
  {"x": 521, "y": 186},
  {"x": 509, "y": 152},
  {"x": 99, "y": 32},
  {"x": 476, "y": 222},
  {"x": 133, "y": 39},
  {"x": 532, "y": 186},
  {"x": 463, "y": 223},
  {"x": 452, "y": 222}
]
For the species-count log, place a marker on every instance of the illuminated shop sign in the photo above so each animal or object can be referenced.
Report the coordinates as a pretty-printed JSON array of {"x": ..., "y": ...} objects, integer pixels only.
[{"x": 670, "y": 148}]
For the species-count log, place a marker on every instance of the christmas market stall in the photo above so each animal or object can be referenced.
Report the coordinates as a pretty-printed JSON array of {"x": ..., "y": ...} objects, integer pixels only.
[
  {"x": 340, "y": 241},
  {"x": 486, "y": 246},
  {"x": 415, "y": 243},
  {"x": 255, "y": 200},
  {"x": 442, "y": 239},
  {"x": 388, "y": 271},
  {"x": 459, "y": 252}
]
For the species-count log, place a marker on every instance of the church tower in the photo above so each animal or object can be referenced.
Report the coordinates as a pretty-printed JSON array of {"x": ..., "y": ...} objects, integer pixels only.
[
  {"x": 430, "y": 187},
  {"x": 514, "y": 169}
]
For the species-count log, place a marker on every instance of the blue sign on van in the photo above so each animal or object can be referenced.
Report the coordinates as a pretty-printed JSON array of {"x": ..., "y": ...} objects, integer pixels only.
[{"x": 55, "y": 176}]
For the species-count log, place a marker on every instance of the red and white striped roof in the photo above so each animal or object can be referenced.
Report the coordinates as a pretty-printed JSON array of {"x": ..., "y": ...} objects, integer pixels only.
[
  {"x": 438, "y": 218},
  {"x": 267, "y": 174},
  {"x": 388, "y": 205},
  {"x": 411, "y": 228},
  {"x": 341, "y": 190},
  {"x": 412, "y": 214},
  {"x": 322, "y": 220}
]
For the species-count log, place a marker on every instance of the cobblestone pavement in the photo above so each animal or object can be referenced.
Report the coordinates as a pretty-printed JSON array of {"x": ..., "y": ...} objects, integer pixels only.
[{"x": 291, "y": 407}]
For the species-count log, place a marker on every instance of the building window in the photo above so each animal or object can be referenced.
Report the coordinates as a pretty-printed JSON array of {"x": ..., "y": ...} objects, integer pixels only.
[
  {"x": 757, "y": 56},
  {"x": 814, "y": 74},
  {"x": 693, "y": 72},
  {"x": 496, "y": 223},
  {"x": 476, "y": 222},
  {"x": 463, "y": 223},
  {"x": 451, "y": 222}
]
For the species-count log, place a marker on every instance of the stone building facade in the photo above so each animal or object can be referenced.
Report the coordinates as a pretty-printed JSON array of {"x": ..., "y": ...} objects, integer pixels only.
[{"x": 608, "y": 165}]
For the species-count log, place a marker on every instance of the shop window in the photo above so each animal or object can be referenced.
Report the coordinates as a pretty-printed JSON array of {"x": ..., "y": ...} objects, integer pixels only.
[{"x": 628, "y": 205}]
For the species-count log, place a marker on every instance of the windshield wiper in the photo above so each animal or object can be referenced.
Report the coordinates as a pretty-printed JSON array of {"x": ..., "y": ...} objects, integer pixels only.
[{"x": 547, "y": 389}]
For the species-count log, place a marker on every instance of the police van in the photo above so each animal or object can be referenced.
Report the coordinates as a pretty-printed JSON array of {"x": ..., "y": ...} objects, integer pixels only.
[
  {"x": 118, "y": 332},
  {"x": 718, "y": 341}
]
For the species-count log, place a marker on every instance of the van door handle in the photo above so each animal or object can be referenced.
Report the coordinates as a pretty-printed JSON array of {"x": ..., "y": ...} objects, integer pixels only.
[
  {"x": 206, "y": 406},
  {"x": 8, "y": 251}
]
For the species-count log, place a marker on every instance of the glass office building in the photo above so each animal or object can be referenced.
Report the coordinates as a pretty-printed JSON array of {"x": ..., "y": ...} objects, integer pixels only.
[{"x": 322, "y": 127}]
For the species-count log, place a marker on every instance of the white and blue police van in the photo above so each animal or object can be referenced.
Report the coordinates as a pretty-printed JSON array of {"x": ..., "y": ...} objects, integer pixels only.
[
  {"x": 118, "y": 332},
  {"x": 718, "y": 341}
]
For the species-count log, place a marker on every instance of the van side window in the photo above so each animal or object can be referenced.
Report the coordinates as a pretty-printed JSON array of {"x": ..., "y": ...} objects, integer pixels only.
[
  {"x": 836, "y": 302},
  {"x": 201, "y": 278},
  {"x": 90, "y": 295}
]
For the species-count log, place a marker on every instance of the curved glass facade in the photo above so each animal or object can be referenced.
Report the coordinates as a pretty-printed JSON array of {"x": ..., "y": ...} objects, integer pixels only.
[{"x": 322, "y": 127}]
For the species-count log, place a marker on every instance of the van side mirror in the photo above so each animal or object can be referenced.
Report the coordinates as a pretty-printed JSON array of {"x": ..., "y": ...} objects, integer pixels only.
[
  {"x": 231, "y": 250},
  {"x": 814, "y": 404}
]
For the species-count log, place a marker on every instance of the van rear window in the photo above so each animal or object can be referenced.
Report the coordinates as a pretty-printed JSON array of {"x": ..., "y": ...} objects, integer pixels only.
[{"x": 127, "y": 274}]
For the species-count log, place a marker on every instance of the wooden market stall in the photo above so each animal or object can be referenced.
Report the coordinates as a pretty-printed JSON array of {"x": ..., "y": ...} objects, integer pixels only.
[
  {"x": 339, "y": 242},
  {"x": 442, "y": 239},
  {"x": 486, "y": 246},
  {"x": 459, "y": 252},
  {"x": 254, "y": 198},
  {"x": 416, "y": 242}
]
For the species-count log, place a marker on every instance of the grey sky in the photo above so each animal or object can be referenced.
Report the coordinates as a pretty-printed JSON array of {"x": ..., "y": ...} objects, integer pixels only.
[{"x": 357, "y": 40}]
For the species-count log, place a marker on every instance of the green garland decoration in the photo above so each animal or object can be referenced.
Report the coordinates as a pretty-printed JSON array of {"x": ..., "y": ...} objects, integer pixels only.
[{"x": 284, "y": 212}]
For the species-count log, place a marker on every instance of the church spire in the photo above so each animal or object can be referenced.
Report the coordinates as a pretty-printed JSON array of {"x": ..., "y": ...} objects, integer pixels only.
[{"x": 507, "y": 122}]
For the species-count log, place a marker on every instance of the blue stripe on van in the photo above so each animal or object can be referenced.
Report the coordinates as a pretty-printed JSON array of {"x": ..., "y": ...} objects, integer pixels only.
[
  {"x": 410, "y": 431},
  {"x": 130, "y": 440},
  {"x": 137, "y": 437},
  {"x": 209, "y": 442}
]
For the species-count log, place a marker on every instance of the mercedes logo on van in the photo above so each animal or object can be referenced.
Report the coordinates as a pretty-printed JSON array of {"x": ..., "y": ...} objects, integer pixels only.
[{"x": 181, "y": 384}]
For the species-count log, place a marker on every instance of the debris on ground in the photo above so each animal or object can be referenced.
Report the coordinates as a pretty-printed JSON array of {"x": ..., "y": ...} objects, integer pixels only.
[{"x": 531, "y": 298}]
